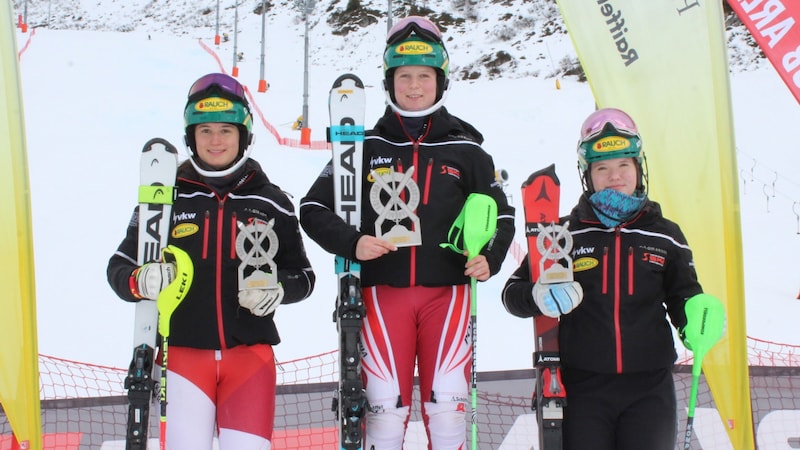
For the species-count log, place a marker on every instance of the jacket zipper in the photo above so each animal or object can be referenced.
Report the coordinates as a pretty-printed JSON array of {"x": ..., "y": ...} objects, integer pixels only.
[
  {"x": 218, "y": 274},
  {"x": 400, "y": 171},
  {"x": 617, "y": 297},
  {"x": 412, "y": 256},
  {"x": 415, "y": 163}
]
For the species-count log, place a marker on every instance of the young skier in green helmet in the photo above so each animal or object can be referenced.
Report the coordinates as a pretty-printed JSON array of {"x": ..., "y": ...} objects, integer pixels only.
[
  {"x": 243, "y": 238},
  {"x": 633, "y": 274},
  {"x": 420, "y": 164}
]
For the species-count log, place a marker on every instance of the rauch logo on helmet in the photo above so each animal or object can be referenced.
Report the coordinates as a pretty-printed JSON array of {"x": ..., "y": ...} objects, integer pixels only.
[{"x": 214, "y": 104}]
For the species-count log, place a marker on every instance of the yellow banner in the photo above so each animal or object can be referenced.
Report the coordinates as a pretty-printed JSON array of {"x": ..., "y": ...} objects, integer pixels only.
[
  {"x": 666, "y": 64},
  {"x": 19, "y": 365}
]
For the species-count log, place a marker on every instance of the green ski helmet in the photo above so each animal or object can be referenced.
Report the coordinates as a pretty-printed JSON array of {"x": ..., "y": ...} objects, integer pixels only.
[
  {"x": 610, "y": 133},
  {"x": 218, "y": 97},
  {"x": 415, "y": 41}
]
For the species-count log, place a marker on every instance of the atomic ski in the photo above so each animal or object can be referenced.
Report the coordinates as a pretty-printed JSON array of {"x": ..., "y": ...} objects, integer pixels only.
[
  {"x": 159, "y": 166},
  {"x": 346, "y": 105},
  {"x": 540, "y": 200}
]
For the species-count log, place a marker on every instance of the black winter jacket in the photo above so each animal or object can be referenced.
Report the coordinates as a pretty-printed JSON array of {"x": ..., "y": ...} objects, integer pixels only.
[
  {"x": 632, "y": 276},
  {"x": 449, "y": 164},
  {"x": 204, "y": 224}
]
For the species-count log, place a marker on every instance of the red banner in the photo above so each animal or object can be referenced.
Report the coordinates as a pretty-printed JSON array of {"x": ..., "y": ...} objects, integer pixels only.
[{"x": 773, "y": 24}]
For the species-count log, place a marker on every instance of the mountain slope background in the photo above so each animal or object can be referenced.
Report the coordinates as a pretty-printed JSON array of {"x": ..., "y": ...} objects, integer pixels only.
[
  {"x": 487, "y": 39},
  {"x": 106, "y": 76}
]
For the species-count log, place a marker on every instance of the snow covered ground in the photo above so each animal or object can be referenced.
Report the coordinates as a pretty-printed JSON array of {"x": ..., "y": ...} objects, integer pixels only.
[{"x": 92, "y": 98}]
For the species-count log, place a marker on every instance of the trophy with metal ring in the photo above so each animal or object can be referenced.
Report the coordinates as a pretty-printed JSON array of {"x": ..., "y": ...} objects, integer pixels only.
[
  {"x": 259, "y": 290},
  {"x": 395, "y": 209},
  {"x": 554, "y": 243}
]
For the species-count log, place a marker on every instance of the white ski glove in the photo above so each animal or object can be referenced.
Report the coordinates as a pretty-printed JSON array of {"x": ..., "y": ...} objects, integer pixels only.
[
  {"x": 557, "y": 299},
  {"x": 261, "y": 302},
  {"x": 150, "y": 279}
]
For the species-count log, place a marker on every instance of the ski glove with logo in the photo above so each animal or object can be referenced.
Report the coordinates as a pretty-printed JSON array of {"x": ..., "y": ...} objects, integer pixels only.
[
  {"x": 261, "y": 302},
  {"x": 150, "y": 279},
  {"x": 556, "y": 299}
]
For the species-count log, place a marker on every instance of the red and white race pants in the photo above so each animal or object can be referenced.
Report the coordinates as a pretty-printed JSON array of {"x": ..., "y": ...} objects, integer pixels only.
[
  {"x": 426, "y": 328},
  {"x": 231, "y": 392}
]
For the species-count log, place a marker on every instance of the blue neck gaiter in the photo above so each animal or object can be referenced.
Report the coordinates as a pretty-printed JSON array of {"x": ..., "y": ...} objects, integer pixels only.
[{"x": 614, "y": 207}]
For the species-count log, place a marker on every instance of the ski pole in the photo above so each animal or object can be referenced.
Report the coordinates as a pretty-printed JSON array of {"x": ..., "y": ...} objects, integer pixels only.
[
  {"x": 704, "y": 328},
  {"x": 480, "y": 222},
  {"x": 168, "y": 300}
]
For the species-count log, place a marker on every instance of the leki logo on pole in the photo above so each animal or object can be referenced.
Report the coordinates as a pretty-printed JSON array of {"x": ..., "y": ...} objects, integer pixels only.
[{"x": 395, "y": 209}]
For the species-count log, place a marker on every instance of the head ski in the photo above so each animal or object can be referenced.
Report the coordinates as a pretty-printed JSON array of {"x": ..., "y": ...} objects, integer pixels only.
[
  {"x": 159, "y": 164},
  {"x": 346, "y": 105}
]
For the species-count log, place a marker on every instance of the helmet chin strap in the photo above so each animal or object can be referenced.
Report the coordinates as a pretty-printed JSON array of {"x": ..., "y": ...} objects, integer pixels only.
[
  {"x": 219, "y": 173},
  {"x": 422, "y": 113}
]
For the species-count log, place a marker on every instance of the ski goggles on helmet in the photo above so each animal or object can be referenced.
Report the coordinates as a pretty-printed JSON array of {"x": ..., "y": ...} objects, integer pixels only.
[
  {"x": 599, "y": 122},
  {"x": 420, "y": 26},
  {"x": 608, "y": 133},
  {"x": 220, "y": 83}
]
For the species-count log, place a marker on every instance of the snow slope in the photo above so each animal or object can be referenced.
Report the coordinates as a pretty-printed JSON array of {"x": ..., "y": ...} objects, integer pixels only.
[{"x": 92, "y": 98}]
